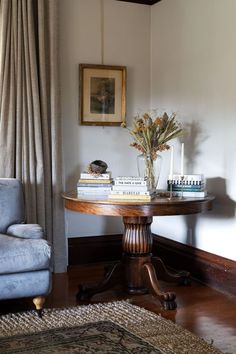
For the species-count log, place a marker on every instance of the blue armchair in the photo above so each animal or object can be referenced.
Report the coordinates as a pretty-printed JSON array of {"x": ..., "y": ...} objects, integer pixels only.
[{"x": 25, "y": 256}]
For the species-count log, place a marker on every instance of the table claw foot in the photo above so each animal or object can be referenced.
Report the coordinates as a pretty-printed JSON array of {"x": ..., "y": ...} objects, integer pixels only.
[
  {"x": 86, "y": 293},
  {"x": 83, "y": 293},
  {"x": 167, "y": 299},
  {"x": 163, "y": 273}
]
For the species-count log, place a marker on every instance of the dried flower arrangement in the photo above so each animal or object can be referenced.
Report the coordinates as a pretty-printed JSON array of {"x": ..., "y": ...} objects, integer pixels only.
[{"x": 151, "y": 135}]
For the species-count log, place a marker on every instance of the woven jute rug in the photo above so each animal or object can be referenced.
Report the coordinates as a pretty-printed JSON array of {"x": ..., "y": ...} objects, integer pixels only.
[{"x": 115, "y": 327}]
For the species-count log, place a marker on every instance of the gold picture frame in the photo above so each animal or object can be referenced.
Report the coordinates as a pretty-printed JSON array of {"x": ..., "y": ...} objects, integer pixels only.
[{"x": 102, "y": 94}]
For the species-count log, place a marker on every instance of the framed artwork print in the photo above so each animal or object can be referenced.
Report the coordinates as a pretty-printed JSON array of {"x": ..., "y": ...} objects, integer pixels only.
[{"x": 102, "y": 94}]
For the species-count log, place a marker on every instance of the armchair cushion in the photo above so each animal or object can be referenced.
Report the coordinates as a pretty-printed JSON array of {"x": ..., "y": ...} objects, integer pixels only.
[
  {"x": 25, "y": 231},
  {"x": 13, "y": 286},
  {"x": 23, "y": 255},
  {"x": 11, "y": 203}
]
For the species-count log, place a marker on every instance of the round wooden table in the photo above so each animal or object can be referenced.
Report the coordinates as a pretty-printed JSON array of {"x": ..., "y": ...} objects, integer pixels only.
[{"x": 140, "y": 268}]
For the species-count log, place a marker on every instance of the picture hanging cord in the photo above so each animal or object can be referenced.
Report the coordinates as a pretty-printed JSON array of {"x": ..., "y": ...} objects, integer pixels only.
[{"x": 102, "y": 31}]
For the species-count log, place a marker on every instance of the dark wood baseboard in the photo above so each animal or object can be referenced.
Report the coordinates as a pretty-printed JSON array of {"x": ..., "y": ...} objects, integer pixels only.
[
  {"x": 93, "y": 249},
  {"x": 215, "y": 271},
  {"x": 212, "y": 270}
]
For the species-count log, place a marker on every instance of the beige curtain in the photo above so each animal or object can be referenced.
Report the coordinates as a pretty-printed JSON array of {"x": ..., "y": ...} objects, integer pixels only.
[{"x": 30, "y": 133}]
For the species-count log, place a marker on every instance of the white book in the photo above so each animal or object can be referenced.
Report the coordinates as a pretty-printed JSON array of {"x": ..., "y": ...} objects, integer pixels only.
[
  {"x": 190, "y": 184},
  {"x": 190, "y": 178},
  {"x": 86, "y": 175},
  {"x": 130, "y": 178},
  {"x": 95, "y": 180},
  {"x": 130, "y": 188},
  {"x": 93, "y": 189},
  {"x": 93, "y": 193},
  {"x": 128, "y": 192},
  {"x": 176, "y": 182},
  {"x": 131, "y": 197},
  {"x": 201, "y": 194},
  {"x": 130, "y": 182}
]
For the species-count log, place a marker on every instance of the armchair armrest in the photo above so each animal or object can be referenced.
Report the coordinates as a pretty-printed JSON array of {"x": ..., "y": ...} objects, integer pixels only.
[{"x": 25, "y": 231}]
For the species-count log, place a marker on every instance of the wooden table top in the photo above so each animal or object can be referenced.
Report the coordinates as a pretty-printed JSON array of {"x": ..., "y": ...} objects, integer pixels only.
[{"x": 101, "y": 205}]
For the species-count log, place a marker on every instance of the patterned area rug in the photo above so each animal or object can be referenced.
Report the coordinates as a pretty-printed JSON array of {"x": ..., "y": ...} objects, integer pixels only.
[
  {"x": 108, "y": 328},
  {"x": 99, "y": 337}
]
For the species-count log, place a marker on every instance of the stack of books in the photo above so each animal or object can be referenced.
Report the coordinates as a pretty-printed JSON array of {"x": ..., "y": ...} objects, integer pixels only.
[
  {"x": 191, "y": 185},
  {"x": 91, "y": 184},
  {"x": 131, "y": 188}
]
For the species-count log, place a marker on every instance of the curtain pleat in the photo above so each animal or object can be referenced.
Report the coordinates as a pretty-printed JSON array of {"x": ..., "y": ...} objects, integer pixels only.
[{"x": 30, "y": 126}]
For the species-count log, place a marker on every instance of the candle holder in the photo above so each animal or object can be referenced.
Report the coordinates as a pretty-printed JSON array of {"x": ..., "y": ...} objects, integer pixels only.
[
  {"x": 170, "y": 189},
  {"x": 182, "y": 186}
]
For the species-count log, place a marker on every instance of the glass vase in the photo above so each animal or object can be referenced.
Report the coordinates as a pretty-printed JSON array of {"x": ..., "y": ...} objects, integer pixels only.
[{"x": 147, "y": 167}]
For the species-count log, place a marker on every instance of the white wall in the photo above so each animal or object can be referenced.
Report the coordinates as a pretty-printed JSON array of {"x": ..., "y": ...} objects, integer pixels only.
[
  {"x": 193, "y": 72},
  {"x": 126, "y": 42}
]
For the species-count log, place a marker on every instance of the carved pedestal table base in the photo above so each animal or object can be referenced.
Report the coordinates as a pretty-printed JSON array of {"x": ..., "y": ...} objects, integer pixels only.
[{"x": 139, "y": 270}]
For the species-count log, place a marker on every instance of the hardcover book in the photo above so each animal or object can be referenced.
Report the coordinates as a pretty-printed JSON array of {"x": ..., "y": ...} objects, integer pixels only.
[
  {"x": 128, "y": 192},
  {"x": 185, "y": 187},
  {"x": 87, "y": 175},
  {"x": 93, "y": 189},
  {"x": 130, "y": 188},
  {"x": 92, "y": 184},
  {"x": 131, "y": 197},
  {"x": 130, "y": 178},
  {"x": 201, "y": 194},
  {"x": 185, "y": 183},
  {"x": 187, "y": 178},
  {"x": 97, "y": 181},
  {"x": 130, "y": 182},
  {"x": 91, "y": 193},
  {"x": 179, "y": 189}
]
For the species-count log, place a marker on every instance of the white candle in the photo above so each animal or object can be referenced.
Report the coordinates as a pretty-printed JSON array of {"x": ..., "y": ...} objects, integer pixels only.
[
  {"x": 171, "y": 162},
  {"x": 182, "y": 160}
]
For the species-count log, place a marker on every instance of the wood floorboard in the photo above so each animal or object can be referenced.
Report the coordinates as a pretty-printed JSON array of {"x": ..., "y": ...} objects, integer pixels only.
[{"x": 202, "y": 310}]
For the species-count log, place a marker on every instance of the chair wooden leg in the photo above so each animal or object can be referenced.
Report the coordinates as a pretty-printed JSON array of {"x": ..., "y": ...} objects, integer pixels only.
[{"x": 39, "y": 302}]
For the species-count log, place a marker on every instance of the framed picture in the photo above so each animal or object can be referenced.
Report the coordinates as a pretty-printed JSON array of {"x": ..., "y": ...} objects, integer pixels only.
[{"x": 102, "y": 94}]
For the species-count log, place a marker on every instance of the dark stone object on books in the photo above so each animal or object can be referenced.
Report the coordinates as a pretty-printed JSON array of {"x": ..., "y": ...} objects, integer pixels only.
[{"x": 98, "y": 166}]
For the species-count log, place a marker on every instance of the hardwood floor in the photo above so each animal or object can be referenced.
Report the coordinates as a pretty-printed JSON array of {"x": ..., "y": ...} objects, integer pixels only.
[{"x": 202, "y": 310}]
